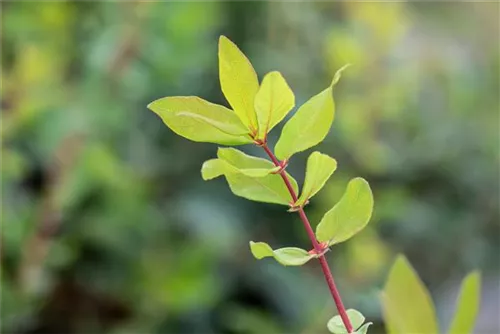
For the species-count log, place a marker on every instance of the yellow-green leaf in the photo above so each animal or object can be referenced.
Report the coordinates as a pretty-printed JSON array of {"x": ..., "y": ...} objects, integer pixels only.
[
  {"x": 238, "y": 81},
  {"x": 288, "y": 256},
  {"x": 406, "y": 303},
  {"x": 308, "y": 127},
  {"x": 242, "y": 160},
  {"x": 273, "y": 101},
  {"x": 269, "y": 188},
  {"x": 349, "y": 216},
  {"x": 336, "y": 325},
  {"x": 249, "y": 177},
  {"x": 198, "y": 120},
  {"x": 319, "y": 168},
  {"x": 247, "y": 164},
  {"x": 213, "y": 168},
  {"x": 467, "y": 305}
]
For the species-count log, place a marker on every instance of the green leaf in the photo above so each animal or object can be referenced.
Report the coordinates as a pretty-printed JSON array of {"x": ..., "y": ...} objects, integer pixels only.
[
  {"x": 336, "y": 325},
  {"x": 213, "y": 168},
  {"x": 249, "y": 177},
  {"x": 288, "y": 256},
  {"x": 268, "y": 189},
  {"x": 338, "y": 74},
  {"x": 467, "y": 305},
  {"x": 247, "y": 164},
  {"x": 308, "y": 127},
  {"x": 238, "y": 81},
  {"x": 349, "y": 216},
  {"x": 319, "y": 168},
  {"x": 406, "y": 303},
  {"x": 363, "y": 329},
  {"x": 273, "y": 101},
  {"x": 198, "y": 120}
]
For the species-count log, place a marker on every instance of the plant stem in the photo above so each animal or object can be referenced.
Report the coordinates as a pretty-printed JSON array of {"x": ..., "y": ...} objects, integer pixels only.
[{"x": 322, "y": 260}]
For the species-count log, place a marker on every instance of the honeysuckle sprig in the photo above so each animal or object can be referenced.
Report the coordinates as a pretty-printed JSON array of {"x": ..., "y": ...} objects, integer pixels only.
[{"x": 256, "y": 110}]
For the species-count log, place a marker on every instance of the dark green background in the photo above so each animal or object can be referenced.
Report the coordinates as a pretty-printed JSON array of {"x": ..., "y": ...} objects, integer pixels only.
[{"x": 107, "y": 226}]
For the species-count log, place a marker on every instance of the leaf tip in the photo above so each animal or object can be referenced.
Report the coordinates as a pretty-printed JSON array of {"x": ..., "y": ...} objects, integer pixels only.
[{"x": 338, "y": 75}]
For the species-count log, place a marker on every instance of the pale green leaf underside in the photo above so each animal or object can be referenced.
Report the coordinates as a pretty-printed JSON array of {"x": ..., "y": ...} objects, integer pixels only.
[
  {"x": 288, "y": 256},
  {"x": 198, "y": 120},
  {"x": 319, "y": 169},
  {"x": 308, "y": 127},
  {"x": 336, "y": 325},
  {"x": 273, "y": 102},
  {"x": 238, "y": 81},
  {"x": 467, "y": 305},
  {"x": 363, "y": 329},
  {"x": 213, "y": 168},
  {"x": 249, "y": 177},
  {"x": 349, "y": 216},
  {"x": 406, "y": 303}
]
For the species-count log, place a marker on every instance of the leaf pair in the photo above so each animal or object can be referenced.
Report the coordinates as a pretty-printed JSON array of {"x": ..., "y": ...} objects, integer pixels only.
[
  {"x": 259, "y": 108},
  {"x": 349, "y": 216},
  {"x": 256, "y": 110},
  {"x": 249, "y": 177},
  {"x": 408, "y": 307},
  {"x": 336, "y": 325}
]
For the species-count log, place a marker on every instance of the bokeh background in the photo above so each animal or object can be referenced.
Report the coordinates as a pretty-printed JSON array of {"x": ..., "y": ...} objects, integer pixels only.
[{"x": 107, "y": 226}]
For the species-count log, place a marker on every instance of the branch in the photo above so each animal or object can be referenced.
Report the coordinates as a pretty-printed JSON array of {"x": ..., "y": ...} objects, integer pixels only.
[{"x": 322, "y": 260}]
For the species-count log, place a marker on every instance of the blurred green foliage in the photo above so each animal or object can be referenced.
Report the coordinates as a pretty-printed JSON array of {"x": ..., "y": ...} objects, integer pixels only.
[{"x": 107, "y": 225}]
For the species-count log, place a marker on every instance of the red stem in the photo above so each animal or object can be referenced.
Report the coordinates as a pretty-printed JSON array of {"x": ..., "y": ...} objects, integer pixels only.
[{"x": 322, "y": 260}]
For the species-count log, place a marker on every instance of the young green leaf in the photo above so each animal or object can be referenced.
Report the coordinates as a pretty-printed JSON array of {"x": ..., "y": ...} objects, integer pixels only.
[
  {"x": 467, "y": 305},
  {"x": 242, "y": 160},
  {"x": 288, "y": 256},
  {"x": 406, "y": 303},
  {"x": 249, "y": 177},
  {"x": 238, "y": 81},
  {"x": 273, "y": 101},
  {"x": 308, "y": 127},
  {"x": 247, "y": 164},
  {"x": 213, "y": 168},
  {"x": 198, "y": 120},
  {"x": 319, "y": 168},
  {"x": 336, "y": 325},
  {"x": 363, "y": 329},
  {"x": 268, "y": 189},
  {"x": 349, "y": 216}
]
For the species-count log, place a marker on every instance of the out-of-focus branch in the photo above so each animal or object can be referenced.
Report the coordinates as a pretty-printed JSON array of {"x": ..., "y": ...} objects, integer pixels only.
[{"x": 50, "y": 215}]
